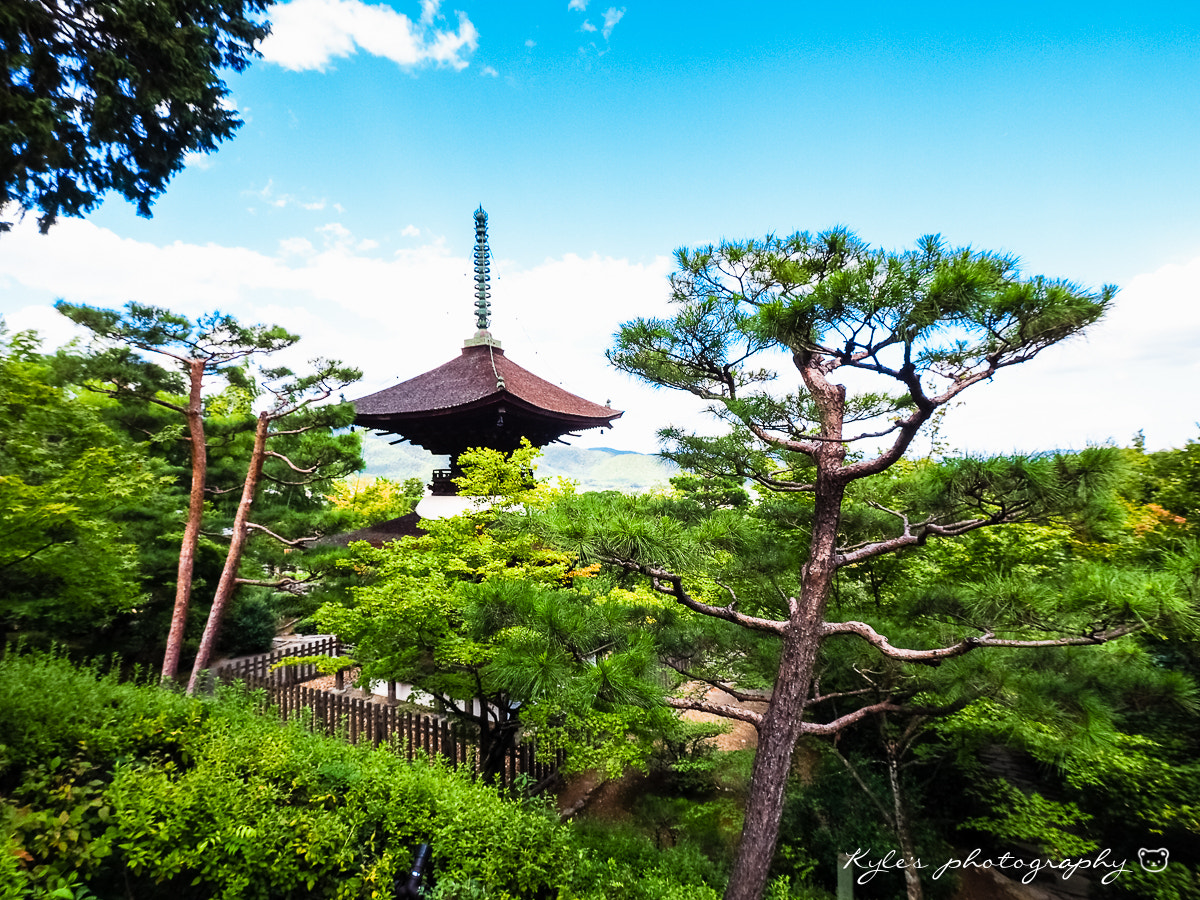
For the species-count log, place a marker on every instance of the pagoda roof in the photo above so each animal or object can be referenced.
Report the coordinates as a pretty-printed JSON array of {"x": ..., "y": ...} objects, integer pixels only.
[{"x": 444, "y": 409}]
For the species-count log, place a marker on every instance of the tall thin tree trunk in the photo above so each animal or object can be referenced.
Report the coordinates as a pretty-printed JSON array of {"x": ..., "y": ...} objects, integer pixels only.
[
  {"x": 191, "y": 531},
  {"x": 912, "y": 878},
  {"x": 772, "y": 765},
  {"x": 228, "y": 583}
]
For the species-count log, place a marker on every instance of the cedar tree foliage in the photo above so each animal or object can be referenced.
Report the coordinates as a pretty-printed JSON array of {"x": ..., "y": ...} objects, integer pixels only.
[
  {"x": 100, "y": 95},
  {"x": 926, "y": 324}
]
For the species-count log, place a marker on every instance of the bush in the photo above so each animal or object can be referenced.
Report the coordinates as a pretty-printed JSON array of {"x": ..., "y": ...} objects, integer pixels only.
[
  {"x": 123, "y": 789},
  {"x": 250, "y": 625}
]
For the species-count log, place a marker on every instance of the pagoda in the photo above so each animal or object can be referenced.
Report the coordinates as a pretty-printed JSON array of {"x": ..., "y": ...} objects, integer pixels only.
[{"x": 480, "y": 398}]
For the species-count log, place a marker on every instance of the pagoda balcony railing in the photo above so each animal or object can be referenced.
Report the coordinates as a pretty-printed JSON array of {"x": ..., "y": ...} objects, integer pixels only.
[{"x": 443, "y": 484}]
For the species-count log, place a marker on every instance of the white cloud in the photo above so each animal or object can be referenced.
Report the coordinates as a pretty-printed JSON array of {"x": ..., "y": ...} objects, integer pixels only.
[
  {"x": 54, "y": 329},
  {"x": 336, "y": 236},
  {"x": 308, "y": 34},
  {"x": 489, "y": 71},
  {"x": 193, "y": 160},
  {"x": 411, "y": 231},
  {"x": 1136, "y": 370},
  {"x": 296, "y": 246},
  {"x": 530, "y": 43},
  {"x": 612, "y": 16},
  {"x": 357, "y": 307},
  {"x": 280, "y": 201}
]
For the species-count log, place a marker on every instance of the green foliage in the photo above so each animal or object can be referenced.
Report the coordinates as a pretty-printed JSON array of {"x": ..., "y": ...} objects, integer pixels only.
[
  {"x": 478, "y": 608},
  {"x": 1174, "y": 483},
  {"x": 152, "y": 363},
  {"x": 712, "y": 491},
  {"x": 1031, "y": 818},
  {"x": 508, "y": 478},
  {"x": 826, "y": 813},
  {"x": 118, "y": 788},
  {"x": 68, "y": 562},
  {"x": 114, "y": 97},
  {"x": 250, "y": 624},
  {"x": 367, "y": 501}
]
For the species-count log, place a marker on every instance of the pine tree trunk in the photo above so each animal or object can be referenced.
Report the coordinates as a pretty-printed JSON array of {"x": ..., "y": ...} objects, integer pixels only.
[
  {"x": 801, "y": 642},
  {"x": 228, "y": 583},
  {"x": 496, "y": 743},
  {"x": 191, "y": 531},
  {"x": 780, "y": 729},
  {"x": 772, "y": 765}
]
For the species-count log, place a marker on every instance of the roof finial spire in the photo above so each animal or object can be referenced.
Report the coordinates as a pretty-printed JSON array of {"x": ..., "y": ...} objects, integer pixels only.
[{"x": 482, "y": 255}]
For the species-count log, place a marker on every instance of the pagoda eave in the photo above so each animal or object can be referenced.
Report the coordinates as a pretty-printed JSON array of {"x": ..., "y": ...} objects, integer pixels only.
[{"x": 499, "y": 421}]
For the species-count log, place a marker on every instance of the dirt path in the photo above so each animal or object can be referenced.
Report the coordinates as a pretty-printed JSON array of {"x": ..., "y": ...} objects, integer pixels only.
[{"x": 742, "y": 735}]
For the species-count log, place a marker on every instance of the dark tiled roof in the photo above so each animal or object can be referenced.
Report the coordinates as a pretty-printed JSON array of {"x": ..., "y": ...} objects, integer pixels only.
[
  {"x": 380, "y": 533},
  {"x": 469, "y": 379}
]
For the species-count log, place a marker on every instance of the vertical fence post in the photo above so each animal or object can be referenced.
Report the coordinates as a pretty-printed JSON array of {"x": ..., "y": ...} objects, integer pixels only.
[{"x": 845, "y": 877}]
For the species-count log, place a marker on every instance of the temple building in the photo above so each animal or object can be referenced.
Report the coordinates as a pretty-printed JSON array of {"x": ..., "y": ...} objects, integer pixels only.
[{"x": 480, "y": 398}]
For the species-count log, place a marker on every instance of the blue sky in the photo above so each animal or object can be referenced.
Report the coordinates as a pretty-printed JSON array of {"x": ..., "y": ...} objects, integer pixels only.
[{"x": 599, "y": 138}]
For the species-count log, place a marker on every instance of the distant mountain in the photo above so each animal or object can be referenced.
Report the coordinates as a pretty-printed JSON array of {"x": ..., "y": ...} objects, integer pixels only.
[{"x": 601, "y": 469}]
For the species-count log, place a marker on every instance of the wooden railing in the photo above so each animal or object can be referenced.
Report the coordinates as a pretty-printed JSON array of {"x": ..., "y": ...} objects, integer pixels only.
[
  {"x": 261, "y": 668},
  {"x": 359, "y": 720}
]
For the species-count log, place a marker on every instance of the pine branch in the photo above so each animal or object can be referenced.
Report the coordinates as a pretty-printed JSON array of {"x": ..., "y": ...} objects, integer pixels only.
[
  {"x": 291, "y": 543},
  {"x": 717, "y": 709},
  {"x": 966, "y": 645},
  {"x": 813, "y": 701},
  {"x": 849, "y": 719},
  {"x": 738, "y": 695},
  {"x": 809, "y": 450},
  {"x": 303, "y": 430},
  {"x": 909, "y": 538},
  {"x": 117, "y": 393},
  {"x": 291, "y": 465},
  {"x": 670, "y": 584},
  {"x": 298, "y": 483},
  {"x": 289, "y": 584}
]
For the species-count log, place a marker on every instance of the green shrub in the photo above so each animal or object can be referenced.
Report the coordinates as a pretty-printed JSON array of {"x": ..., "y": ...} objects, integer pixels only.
[
  {"x": 122, "y": 789},
  {"x": 250, "y": 624}
]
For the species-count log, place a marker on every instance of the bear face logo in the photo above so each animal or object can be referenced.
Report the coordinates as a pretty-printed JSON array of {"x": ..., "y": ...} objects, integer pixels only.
[{"x": 1153, "y": 860}]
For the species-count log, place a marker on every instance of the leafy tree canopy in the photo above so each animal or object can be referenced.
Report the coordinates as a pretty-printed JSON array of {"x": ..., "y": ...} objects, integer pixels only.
[
  {"x": 475, "y": 611},
  {"x": 114, "y": 95},
  {"x": 68, "y": 565},
  {"x": 362, "y": 501}
]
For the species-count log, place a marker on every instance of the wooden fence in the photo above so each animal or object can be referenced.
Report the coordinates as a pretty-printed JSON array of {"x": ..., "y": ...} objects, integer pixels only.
[
  {"x": 260, "y": 668},
  {"x": 359, "y": 720}
]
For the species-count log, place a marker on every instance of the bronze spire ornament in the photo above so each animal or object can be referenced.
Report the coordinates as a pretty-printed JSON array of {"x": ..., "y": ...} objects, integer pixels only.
[{"x": 482, "y": 255}]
